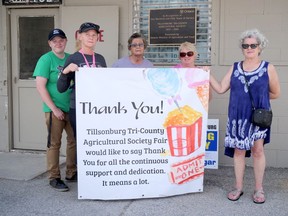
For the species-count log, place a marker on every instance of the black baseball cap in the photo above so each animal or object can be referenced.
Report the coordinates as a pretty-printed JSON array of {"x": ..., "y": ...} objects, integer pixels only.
[
  {"x": 89, "y": 26},
  {"x": 56, "y": 32}
]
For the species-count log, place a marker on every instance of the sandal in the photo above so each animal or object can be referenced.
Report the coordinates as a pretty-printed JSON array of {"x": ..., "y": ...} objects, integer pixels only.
[
  {"x": 259, "y": 196},
  {"x": 235, "y": 194}
]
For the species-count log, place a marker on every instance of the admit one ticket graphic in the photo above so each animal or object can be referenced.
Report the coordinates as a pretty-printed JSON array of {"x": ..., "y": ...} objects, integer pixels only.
[{"x": 184, "y": 131}]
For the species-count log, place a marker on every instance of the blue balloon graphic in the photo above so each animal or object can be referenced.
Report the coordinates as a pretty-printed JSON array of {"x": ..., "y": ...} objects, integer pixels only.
[{"x": 164, "y": 80}]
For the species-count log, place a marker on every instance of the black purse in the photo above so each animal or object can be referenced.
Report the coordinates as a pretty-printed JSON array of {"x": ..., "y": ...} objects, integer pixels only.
[{"x": 260, "y": 117}]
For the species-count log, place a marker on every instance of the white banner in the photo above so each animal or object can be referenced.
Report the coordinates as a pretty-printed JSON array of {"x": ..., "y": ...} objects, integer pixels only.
[{"x": 141, "y": 133}]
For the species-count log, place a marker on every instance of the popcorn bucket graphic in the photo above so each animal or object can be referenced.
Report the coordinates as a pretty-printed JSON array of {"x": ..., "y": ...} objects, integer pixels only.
[
  {"x": 184, "y": 130},
  {"x": 184, "y": 140}
]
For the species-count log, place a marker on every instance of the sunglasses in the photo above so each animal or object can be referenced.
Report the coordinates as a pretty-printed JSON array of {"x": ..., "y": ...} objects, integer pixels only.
[
  {"x": 183, "y": 54},
  {"x": 137, "y": 45},
  {"x": 253, "y": 46}
]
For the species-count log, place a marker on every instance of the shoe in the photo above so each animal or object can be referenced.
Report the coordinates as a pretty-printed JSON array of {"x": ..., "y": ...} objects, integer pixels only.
[
  {"x": 73, "y": 178},
  {"x": 58, "y": 185},
  {"x": 259, "y": 196},
  {"x": 235, "y": 194}
]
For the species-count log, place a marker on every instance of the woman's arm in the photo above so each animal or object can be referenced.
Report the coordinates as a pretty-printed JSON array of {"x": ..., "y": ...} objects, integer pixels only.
[
  {"x": 274, "y": 85},
  {"x": 63, "y": 83},
  {"x": 224, "y": 85},
  {"x": 64, "y": 79}
]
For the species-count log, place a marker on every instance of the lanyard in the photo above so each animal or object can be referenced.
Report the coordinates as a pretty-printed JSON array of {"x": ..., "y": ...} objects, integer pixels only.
[{"x": 86, "y": 61}]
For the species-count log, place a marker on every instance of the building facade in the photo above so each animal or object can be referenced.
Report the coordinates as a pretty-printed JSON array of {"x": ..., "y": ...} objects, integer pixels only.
[{"x": 23, "y": 38}]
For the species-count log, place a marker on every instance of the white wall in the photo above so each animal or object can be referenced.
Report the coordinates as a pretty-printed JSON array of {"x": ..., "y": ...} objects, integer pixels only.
[{"x": 125, "y": 15}]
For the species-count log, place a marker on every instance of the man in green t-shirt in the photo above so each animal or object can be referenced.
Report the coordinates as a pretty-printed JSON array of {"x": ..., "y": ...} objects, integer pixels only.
[{"x": 56, "y": 108}]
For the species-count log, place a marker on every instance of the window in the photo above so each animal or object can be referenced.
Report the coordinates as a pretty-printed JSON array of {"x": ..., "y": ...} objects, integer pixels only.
[
  {"x": 33, "y": 39},
  {"x": 165, "y": 55}
]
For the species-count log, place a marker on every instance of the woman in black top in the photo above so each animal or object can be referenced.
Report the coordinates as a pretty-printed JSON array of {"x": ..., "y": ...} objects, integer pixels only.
[{"x": 85, "y": 57}]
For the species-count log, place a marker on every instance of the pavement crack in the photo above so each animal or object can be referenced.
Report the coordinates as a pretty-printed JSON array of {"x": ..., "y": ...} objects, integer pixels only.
[{"x": 126, "y": 207}]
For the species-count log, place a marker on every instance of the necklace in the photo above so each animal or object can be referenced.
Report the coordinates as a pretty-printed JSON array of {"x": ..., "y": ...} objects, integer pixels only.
[{"x": 86, "y": 61}]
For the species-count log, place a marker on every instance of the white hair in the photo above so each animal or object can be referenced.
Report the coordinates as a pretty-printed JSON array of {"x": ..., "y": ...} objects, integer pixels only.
[{"x": 254, "y": 33}]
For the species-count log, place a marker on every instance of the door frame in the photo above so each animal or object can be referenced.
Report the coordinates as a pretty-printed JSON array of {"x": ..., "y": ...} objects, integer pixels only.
[{"x": 18, "y": 127}]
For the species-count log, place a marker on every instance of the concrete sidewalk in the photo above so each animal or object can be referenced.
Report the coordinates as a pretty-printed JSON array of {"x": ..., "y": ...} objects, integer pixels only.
[
  {"x": 35, "y": 197},
  {"x": 23, "y": 165}
]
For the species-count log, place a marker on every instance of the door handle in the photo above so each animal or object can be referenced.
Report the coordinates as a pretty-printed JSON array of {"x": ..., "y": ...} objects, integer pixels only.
[{"x": 15, "y": 79}]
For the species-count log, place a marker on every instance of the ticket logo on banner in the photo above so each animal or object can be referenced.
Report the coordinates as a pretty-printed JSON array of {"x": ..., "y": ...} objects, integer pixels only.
[
  {"x": 141, "y": 133},
  {"x": 211, "y": 149}
]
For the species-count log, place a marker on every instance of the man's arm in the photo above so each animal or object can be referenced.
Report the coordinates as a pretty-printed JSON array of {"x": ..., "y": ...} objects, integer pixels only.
[{"x": 45, "y": 96}]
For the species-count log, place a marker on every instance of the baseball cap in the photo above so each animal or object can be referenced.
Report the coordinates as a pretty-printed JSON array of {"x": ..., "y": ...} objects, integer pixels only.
[
  {"x": 89, "y": 26},
  {"x": 56, "y": 32}
]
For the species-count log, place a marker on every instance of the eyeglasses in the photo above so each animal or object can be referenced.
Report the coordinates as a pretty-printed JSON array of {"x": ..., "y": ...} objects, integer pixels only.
[
  {"x": 253, "y": 46},
  {"x": 137, "y": 45},
  {"x": 183, "y": 54}
]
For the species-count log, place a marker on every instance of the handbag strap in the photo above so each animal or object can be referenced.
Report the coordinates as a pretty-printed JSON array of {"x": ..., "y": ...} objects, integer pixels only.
[{"x": 246, "y": 82}]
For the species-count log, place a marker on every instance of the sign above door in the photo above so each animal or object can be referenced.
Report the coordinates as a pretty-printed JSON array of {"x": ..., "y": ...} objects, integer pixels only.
[{"x": 31, "y": 2}]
